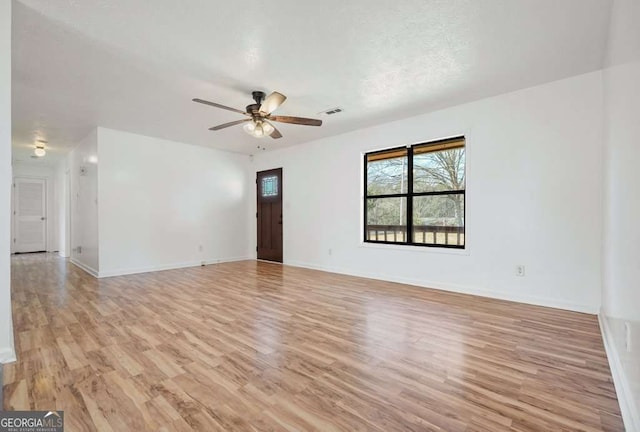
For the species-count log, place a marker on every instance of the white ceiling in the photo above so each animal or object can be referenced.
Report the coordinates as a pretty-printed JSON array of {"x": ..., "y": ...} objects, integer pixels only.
[{"x": 135, "y": 65}]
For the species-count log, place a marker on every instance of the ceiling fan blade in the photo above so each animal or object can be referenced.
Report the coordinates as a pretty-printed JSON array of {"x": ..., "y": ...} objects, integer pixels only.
[
  {"x": 226, "y": 125},
  {"x": 276, "y": 133},
  {"x": 272, "y": 102},
  {"x": 297, "y": 120},
  {"x": 213, "y": 104}
]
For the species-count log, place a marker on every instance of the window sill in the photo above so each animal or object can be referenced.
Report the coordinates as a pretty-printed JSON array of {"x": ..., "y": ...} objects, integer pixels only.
[{"x": 413, "y": 248}]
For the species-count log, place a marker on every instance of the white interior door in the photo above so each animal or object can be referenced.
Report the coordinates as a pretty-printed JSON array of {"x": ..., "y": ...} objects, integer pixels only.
[{"x": 30, "y": 215}]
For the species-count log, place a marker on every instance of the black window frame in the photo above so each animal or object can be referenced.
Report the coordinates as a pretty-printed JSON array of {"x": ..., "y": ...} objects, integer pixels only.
[{"x": 410, "y": 195}]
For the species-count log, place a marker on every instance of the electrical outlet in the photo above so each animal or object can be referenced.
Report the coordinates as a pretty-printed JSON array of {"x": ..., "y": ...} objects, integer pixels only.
[
  {"x": 627, "y": 334},
  {"x": 200, "y": 248},
  {"x": 520, "y": 270},
  {"x": 330, "y": 251}
]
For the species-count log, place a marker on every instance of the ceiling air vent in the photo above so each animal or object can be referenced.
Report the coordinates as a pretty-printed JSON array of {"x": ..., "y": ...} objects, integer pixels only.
[{"x": 332, "y": 111}]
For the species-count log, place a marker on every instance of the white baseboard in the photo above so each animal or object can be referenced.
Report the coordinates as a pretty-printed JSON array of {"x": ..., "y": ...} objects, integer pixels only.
[
  {"x": 174, "y": 266},
  {"x": 461, "y": 289},
  {"x": 225, "y": 260},
  {"x": 7, "y": 355},
  {"x": 84, "y": 267},
  {"x": 630, "y": 414}
]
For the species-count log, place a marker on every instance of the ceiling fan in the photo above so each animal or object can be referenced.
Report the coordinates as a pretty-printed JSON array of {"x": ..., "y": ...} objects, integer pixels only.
[{"x": 258, "y": 124}]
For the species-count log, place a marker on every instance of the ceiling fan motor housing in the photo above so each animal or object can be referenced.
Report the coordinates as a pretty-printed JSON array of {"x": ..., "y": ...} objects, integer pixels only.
[{"x": 253, "y": 109}]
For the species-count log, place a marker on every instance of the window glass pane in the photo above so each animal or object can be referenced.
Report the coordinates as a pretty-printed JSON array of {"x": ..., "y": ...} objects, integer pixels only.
[
  {"x": 387, "y": 219},
  {"x": 270, "y": 186},
  {"x": 387, "y": 172},
  {"x": 439, "y": 170},
  {"x": 439, "y": 219}
]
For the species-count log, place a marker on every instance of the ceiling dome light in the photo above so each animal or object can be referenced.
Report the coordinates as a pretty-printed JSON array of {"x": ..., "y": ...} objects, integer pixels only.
[{"x": 40, "y": 151}]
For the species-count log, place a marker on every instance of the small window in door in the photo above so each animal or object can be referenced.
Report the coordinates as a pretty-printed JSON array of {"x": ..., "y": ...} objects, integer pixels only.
[{"x": 270, "y": 186}]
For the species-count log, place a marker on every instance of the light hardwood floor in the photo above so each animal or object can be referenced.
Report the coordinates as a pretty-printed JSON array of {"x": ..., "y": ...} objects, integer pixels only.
[{"x": 253, "y": 346}]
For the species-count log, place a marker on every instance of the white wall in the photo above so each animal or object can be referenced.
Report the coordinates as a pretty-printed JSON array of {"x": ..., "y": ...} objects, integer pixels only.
[
  {"x": 62, "y": 208},
  {"x": 621, "y": 281},
  {"x": 6, "y": 332},
  {"x": 35, "y": 170},
  {"x": 533, "y": 198},
  {"x": 162, "y": 201},
  {"x": 83, "y": 171}
]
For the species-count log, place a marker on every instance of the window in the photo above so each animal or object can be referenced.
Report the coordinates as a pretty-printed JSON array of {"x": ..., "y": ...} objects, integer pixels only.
[
  {"x": 270, "y": 186},
  {"x": 415, "y": 195}
]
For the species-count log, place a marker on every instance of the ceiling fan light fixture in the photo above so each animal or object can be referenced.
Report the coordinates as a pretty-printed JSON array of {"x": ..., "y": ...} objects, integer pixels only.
[
  {"x": 267, "y": 128},
  {"x": 258, "y": 129},
  {"x": 249, "y": 128}
]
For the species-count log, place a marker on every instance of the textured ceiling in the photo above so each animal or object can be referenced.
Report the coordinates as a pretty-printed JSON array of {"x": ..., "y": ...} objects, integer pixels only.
[{"x": 135, "y": 65}]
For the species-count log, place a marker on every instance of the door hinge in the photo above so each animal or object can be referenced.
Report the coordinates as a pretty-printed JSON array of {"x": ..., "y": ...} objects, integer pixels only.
[
  {"x": 256, "y": 248},
  {"x": 256, "y": 214},
  {"x": 14, "y": 240}
]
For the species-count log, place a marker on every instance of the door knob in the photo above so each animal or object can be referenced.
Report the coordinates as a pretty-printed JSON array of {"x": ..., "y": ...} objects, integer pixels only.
[{"x": 43, "y": 218}]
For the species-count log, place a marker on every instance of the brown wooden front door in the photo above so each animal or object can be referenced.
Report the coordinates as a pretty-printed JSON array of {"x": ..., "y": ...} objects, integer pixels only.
[{"x": 269, "y": 190}]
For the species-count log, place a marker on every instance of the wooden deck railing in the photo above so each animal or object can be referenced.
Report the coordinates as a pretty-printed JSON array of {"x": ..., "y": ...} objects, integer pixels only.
[{"x": 431, "y": 234}]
